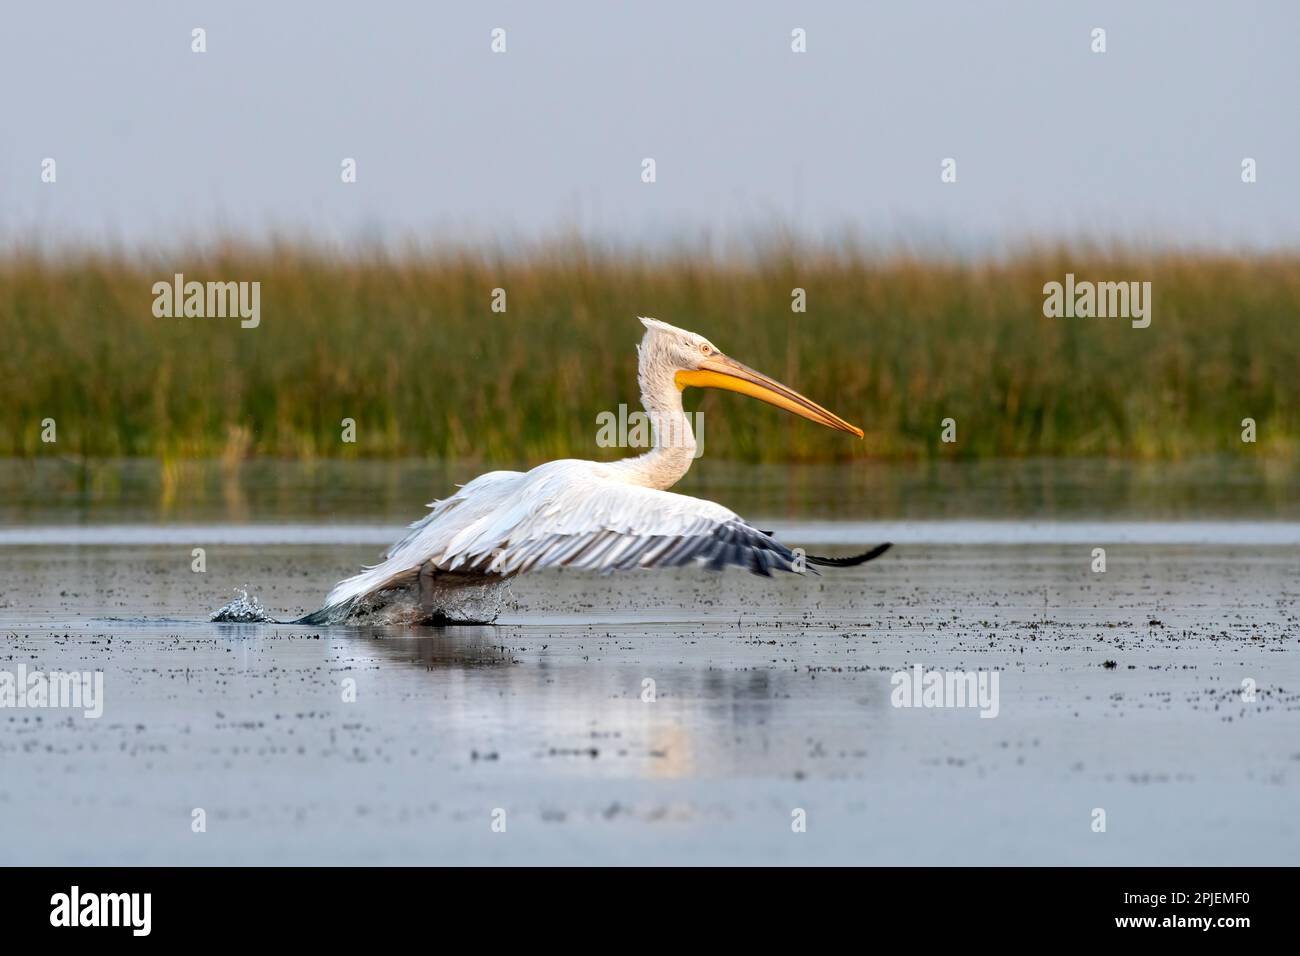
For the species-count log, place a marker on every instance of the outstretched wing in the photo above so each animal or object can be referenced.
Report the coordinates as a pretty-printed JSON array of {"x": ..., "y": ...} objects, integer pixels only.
[
  {"x": 574, "y": 514},
  {"x": 578, "y": 517}
]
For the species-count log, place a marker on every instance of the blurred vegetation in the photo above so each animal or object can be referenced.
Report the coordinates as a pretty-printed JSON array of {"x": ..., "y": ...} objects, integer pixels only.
[{"x": 407, "y": 345}]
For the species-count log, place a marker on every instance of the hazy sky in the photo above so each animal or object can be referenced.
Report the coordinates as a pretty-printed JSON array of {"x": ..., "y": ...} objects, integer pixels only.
[{"x": 1145, "y": 141}]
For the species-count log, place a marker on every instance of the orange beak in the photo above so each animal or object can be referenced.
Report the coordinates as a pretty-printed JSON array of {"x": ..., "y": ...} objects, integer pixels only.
[{"x": 718, "y": 371}]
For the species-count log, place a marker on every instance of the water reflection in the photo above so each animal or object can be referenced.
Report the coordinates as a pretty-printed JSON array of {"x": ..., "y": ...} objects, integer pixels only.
[
  {"x": 556, "y": 697},
  {"x": 431, "y": 648},
  {"x": 65, "y": 489}
]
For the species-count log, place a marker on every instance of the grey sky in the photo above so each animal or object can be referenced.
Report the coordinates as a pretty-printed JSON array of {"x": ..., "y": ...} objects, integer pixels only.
[{"x": 155, "y": 143}]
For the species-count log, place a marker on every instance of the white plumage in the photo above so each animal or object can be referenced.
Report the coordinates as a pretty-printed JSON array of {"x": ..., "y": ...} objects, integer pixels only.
[
  {"x": 569, "y": 513},
  {"x": 580, "y": 514}
]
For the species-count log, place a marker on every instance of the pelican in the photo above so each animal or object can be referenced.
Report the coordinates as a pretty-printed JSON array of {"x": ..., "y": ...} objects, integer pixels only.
[{"x": 604, "y": 516}]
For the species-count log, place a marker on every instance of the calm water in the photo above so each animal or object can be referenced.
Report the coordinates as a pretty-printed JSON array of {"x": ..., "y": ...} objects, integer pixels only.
[
  {"x": 1119, "y": 691},
  {"x": 58, "y": 491}
]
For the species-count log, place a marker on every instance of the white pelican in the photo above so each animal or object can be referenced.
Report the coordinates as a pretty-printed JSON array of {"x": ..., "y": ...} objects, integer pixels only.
[{"x": 602, "y": 516}]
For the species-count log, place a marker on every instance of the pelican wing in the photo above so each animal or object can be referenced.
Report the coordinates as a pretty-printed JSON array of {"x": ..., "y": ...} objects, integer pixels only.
[
  {"x": 582, "y": 515},
  {"x": 574, "y": 514},
  {"x": 621, "y": 527}
]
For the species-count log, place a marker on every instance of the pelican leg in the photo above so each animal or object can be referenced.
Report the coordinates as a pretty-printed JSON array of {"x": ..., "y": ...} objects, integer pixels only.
[{"x": 426, "y": 594}]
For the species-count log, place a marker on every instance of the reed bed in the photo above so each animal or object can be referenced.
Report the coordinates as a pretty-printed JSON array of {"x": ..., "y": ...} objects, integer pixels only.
[{"x": 407, "y": 345}]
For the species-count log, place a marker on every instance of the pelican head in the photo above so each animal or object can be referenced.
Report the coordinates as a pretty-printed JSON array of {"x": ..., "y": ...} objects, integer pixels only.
[{"x": 695, "y": 361}]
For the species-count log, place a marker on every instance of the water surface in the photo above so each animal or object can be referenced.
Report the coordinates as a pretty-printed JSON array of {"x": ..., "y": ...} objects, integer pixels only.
[{"x": 1119, "y": 691}]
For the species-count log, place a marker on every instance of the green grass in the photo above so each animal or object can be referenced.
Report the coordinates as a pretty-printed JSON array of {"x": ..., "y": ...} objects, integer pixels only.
[{"x": 409, "y": 348}]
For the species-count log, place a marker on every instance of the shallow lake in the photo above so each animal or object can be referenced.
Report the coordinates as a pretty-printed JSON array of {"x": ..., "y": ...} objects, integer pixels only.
[{"x": 663, "y": 716}]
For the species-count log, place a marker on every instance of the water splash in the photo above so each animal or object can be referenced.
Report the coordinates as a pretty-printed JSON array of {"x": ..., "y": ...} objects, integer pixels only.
[
  {"x": 444, "y": 599},
  {"x": 243, "y": 610}
]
